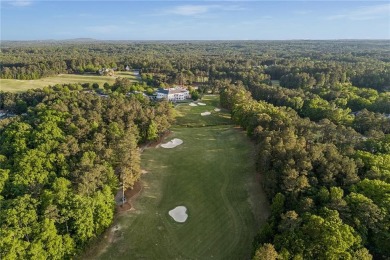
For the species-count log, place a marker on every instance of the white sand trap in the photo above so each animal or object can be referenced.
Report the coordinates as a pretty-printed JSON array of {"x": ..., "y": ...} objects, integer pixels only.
[
  {"x": 179, "y": 214},
  {"x": 205, "y": 114},
  {"x": 217, "y": 109},
  {"x": 201, "y": 104},
  {"x": 173, "y": 143},
  {"x": 116, "y": 228},
  {"x": 193, "y": 104}
]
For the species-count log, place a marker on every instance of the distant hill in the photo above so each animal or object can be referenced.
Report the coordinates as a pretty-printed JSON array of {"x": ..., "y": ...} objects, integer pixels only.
[{"x": 79, "y": 40}]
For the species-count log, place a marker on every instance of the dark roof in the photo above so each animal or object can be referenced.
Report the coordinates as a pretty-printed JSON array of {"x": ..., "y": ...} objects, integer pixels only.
[
  {"x": 164, "y": 91},
  {"x": 174, "y": 91},
  {"x": 171, "y": 91}
]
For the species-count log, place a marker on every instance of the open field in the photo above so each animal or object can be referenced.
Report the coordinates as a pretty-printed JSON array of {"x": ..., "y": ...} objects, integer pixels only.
[
  {"x": 15, "y": 85},
  {"x": 212, "y": 174}
]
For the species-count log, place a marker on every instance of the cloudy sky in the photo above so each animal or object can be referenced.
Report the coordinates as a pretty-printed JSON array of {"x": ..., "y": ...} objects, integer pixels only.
[{"x": 194, "y": 20}]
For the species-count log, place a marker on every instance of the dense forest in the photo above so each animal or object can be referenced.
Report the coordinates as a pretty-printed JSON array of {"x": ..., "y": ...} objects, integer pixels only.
[
  {"x": 303, "y": 63},
  {"x": 329, "y": 185},
  {"x": 318, "y": 112},
  {"x": 63, "y": 161}
]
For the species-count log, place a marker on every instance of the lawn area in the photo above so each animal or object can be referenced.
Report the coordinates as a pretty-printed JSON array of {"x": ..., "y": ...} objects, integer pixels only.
[
  {"x": 275, "y": 83},
  {"x": 191, "y": 116},
  {"x": 212, "y": 174},
  {"x": 15, "y": 85}
]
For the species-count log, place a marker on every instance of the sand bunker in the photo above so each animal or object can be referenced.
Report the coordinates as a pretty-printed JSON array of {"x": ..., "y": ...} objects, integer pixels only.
[
  {"x": 201, "y": 104},
  {"x": 217, "y": 109},
  {"x": 193, "y": 104},
  {"x": 173, "y": 143},
  {"x": 205, "y": 114},
  {"x": 179, "y": 214},
  {"x": 116, "y": 228}
]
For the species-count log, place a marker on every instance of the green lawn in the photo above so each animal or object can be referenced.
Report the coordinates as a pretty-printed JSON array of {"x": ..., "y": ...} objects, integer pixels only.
[
  {"x": 275, "y": 83},
  {"x": 191, "y": 116},
  {"x": 15, "y": 85},
  {"x": 212, "y": 174}
]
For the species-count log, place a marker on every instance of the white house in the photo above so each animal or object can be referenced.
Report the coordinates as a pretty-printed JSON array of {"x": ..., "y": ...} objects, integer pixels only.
[
  {"x": 106, "y": 72},
  {"x": 173, "y": 94}
]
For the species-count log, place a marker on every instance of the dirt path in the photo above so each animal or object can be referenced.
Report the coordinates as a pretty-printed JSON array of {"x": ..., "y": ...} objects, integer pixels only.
[{"x": 130, "y": 195}]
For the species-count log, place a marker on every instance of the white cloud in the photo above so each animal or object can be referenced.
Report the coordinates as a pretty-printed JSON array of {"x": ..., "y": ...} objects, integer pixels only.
[
  {"x": 20, "y": 3},
  {"x": 194, "y": 10},
  {"x": 302, "y": 12},
  {"x": 364, "y": 13},
  {"x": 189, "y": 10},
  {"x": 232, "y": 8}
]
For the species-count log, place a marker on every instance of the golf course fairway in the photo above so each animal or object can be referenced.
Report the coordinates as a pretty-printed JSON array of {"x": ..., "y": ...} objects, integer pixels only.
[{"x": 212, "y": 174}]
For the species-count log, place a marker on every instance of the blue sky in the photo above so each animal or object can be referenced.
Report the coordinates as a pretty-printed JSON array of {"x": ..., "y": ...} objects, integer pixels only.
[{"x": 194, "y": 20}]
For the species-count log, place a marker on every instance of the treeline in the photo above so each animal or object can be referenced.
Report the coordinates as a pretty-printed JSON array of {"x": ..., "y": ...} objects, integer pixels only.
[
  {"x": 19, "y": 102},
  {"x": 61, "y": 164},
  {"x": 33, "y": 71},
  {"x": 335, "y": 104},
  {"x": 329, "y": 186},
  {"x": 294, "y": 63},
  {"x": 50, "y": 68},
  {"x": 342, "y": 93},
  {"x": 303, "y": 72}
]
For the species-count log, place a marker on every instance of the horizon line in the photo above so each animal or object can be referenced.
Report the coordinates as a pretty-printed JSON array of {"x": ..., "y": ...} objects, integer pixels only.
[{"x": 293, "y": 39}]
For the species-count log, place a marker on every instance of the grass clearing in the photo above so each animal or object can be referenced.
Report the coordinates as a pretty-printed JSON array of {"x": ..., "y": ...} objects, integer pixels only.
[
  {"x": 189, "y": 116},
  {"x": 212, "y": 174},
  {"x": 15, "y": 85},
  {"x": 275, "y": 83}
]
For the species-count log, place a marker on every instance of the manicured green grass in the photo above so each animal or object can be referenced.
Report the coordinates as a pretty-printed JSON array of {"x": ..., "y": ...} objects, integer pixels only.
[
  {"x": 275, "y": 83},
  {"x": 15, "y": 85},
  {"x": 191, "y": 116},
  {"x": 212, "y": 174}
]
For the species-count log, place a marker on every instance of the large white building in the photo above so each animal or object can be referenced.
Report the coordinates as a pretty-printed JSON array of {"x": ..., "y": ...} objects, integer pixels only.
[{"x": 173, "y": 94}]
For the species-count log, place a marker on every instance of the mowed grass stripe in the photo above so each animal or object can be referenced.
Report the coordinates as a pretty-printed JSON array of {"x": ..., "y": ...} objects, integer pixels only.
[
  {"x": 224, "y": 209},
  {"x": 204, "y": 209},
  {"x": 211, "y": 174}
]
